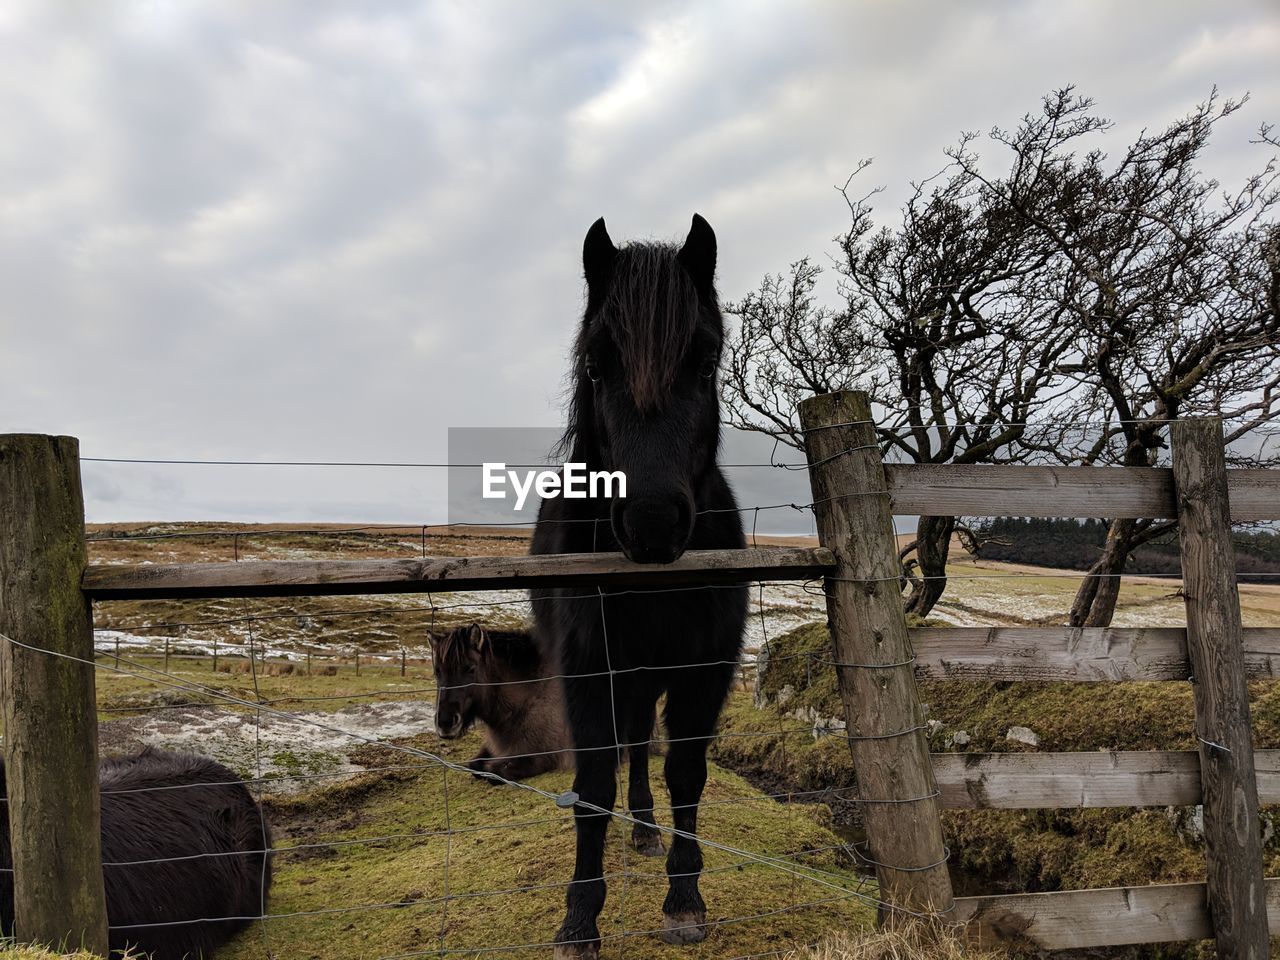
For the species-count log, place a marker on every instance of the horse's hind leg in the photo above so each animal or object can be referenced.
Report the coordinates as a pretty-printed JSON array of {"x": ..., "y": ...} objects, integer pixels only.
[
  {"x": 644, "y": 835},
  {"x": 693, "y": 704}
]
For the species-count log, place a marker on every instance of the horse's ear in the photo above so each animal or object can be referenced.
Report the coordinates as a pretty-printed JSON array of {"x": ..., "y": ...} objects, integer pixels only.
[
  {"x": 598, "y": 254},
  {"x": 698, "y": 255},
  {"x": 476, "y": 637}
]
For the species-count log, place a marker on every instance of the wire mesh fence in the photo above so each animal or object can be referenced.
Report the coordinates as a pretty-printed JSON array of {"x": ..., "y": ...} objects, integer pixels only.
[
  {"x": 237, "y": 658},
  {"x": 825, "y": 867},
  {"x": 145, "y": 665}
]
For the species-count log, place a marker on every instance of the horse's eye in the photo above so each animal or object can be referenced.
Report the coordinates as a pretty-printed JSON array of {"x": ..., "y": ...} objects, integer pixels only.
[
  {"x": 593, "y": 372},
  {"x": 708, "y": 368}
]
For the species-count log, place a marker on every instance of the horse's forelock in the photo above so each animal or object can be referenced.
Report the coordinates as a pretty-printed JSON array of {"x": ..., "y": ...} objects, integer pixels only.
[
  {"x": 451, "y": 648},
  {"x": 652, "y": 310}
]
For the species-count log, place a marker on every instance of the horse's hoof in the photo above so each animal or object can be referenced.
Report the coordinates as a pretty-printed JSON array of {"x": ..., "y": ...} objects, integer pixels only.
[
  {"x": 684, "y": 928},
  {"x": 648, "y": 844},
  {"x": 577, "y": 951}
]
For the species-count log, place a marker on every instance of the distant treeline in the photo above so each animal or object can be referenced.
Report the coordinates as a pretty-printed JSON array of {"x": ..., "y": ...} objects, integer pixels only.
[{"x": 1075, "y": 545}]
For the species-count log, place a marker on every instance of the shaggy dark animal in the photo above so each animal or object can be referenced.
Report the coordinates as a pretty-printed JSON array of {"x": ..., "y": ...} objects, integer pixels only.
[
  {"x": 500, "y": 678},
  {"x": 645, "y": 402},
  {"x": 200, "y": 813}
]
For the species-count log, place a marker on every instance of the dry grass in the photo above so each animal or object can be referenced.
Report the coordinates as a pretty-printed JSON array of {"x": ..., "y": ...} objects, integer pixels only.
[
  {"x": 23, "y": 952},
  {"x": 914, "y": 943}
]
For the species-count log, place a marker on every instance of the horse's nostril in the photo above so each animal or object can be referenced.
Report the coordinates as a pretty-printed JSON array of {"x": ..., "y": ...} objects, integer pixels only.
[{"x": 653, "y": 522}]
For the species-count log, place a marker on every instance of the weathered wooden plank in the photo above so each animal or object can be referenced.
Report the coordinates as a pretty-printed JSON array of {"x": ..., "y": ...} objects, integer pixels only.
[
  {"x": 47, "y": 698},
  {"x": 1254, "y": 494},
  {"x": 298, "y": 578},
  {"x": 1114, "y": 916},
  {"x": 1026, "y": 781},
  {"x": 1232, "y": 824},
  {"x": 1075, "y": 654},
  {"x": 882, "y": 708},
  {"x": 1016, "y": 491}
]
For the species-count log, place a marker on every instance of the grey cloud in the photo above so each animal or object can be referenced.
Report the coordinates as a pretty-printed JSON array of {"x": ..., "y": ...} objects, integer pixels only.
[{"x": 313, "y": 230}]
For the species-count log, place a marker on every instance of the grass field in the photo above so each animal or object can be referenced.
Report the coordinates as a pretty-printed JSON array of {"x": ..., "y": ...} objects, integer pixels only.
[
  {"x": 364, "y": 779},
  {"x": 846, "y": 945}
]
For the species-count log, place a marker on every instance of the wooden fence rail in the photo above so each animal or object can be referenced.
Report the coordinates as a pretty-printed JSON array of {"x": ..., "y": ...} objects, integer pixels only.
[
  {"x": 314, "y": 578},
  {"x": 1107, "y": 778},
  {"x": 950, "y": 490},
  {"x": 878, "y": 662},
  {"x": 1112, "y": 916},
  {"x": 1082, "y": 655}
]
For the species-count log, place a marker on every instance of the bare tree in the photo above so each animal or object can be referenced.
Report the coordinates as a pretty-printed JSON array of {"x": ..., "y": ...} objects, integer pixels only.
[
  {"x": 940, "y": 322},
  {"x": 1171, "y": 285},
  {"x": 1063, "y": 311}
]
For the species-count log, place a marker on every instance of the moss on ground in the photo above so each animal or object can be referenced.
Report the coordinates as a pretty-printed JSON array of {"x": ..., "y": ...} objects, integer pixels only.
[
  {"x": 1065, "y": 716},
  {"x": 1006, "y": 850},
  {"x": 794, "y": 673},
  {"x": 778, "y": 752},
  {"x": 332, "y": 900}
]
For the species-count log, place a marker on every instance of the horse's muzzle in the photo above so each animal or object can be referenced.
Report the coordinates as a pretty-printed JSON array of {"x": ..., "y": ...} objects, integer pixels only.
[
  {"x": 653, "y": 529},
  {"x": 451, "y": 727}
]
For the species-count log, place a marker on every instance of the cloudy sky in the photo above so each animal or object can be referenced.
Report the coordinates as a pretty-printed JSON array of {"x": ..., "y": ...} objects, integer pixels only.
[{"x": 323, "y": 231}]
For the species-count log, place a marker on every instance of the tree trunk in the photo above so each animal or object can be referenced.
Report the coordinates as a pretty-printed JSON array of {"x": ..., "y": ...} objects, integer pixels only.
[
  {"x": 1095, "y": 600},
  {"x": 933, "y": 541}
]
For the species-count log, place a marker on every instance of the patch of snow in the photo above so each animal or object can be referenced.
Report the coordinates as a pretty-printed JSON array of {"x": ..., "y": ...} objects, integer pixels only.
[{"x": 302, "y": 750}]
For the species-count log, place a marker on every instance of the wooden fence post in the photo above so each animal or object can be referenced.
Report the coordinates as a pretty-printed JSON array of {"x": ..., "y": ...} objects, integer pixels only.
[
  {"x": 864, "y": 609},
  {"x": 47, "y": 699},
  {"x": 1232, "y": 827}
]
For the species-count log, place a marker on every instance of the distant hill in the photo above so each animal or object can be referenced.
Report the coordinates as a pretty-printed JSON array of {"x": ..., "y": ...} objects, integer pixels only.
[{"x": 1075, "y": 545}]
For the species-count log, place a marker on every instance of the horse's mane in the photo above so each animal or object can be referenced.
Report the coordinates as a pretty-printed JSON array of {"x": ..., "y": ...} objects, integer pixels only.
[{"x": 651, "y": 310}]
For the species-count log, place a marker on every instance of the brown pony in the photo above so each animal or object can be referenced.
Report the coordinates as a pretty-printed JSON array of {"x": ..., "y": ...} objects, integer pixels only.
[{"x": 499, "y": 677}]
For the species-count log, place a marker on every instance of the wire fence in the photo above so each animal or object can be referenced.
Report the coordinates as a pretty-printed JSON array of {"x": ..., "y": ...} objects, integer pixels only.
[
  {"x": 849, "y": 884},
  {"x": 854, "y": 884},
  {"x": 132, "y": 663},
  {"x": 830, "y": 873}
]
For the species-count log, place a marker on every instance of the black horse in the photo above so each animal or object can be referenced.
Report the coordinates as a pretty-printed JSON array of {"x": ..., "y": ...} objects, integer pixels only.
[
  {"x": 182, "y": 840},
  {"x": 645, "y": 402}
]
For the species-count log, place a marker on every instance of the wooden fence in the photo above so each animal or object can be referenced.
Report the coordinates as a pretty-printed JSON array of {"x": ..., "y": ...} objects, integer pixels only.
[{"x": 50, "y": 727}]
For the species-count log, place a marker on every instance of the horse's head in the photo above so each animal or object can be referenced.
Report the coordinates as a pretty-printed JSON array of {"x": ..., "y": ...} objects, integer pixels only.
[
  {"x": 457, "y": 657},
  {"x": 645, "y": 399}
]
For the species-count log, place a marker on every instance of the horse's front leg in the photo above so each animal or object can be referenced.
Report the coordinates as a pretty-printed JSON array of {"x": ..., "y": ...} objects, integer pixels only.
[
  {"x": 692, "y": 709},
  {"x": 480, "y": 762},
  {"x": 645, "y": 837},
  {"x": 596, "y": 763}
]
